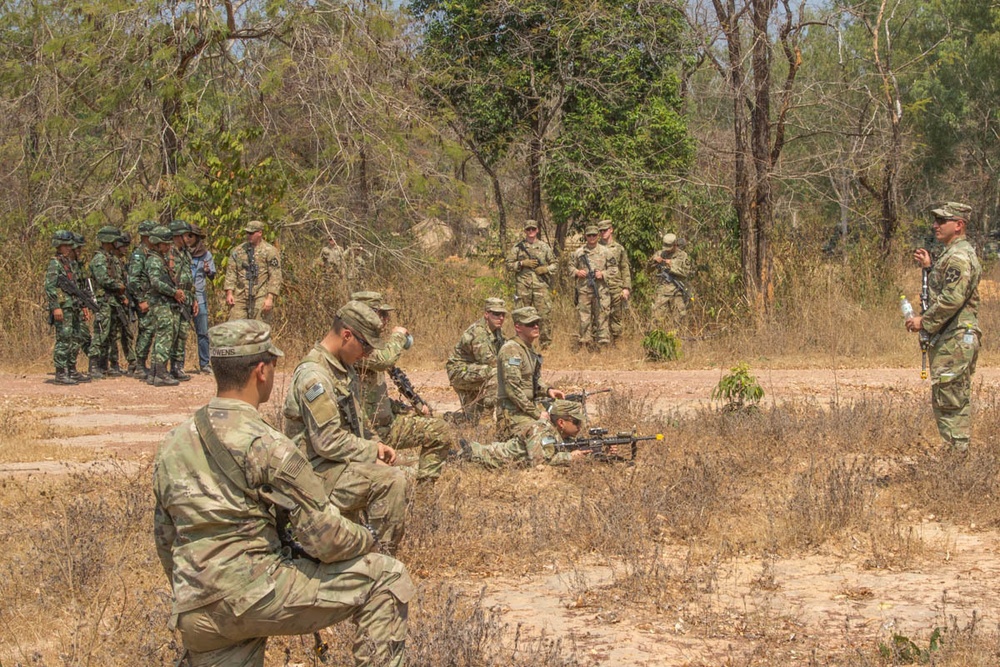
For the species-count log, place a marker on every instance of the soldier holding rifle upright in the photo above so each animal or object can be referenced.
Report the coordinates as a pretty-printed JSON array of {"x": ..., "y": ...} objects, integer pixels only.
[{"x": 253, "y": 276}]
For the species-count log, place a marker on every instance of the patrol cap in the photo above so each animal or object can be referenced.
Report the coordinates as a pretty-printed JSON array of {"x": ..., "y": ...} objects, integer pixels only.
[
  {"x": 526, "y": 315},
  {"x": 62, "y": 237},
  {"x": 179, "y": 227},
  {"x": 953, "y": 210},
  {"x": 669, "y": 239},
  {"x": 160, "y": 234},
  {"x": 198, "y": 231},
  {"x": 530, "y": 224},
  {"x": 108, "y": 234},
  {"x": 591, "y": 230},
  {"x": 604, "y": 225},
  {"x": 79, "y": 240},
  {"x": 254, "y": 226},
  {"x": 241, "y": 338},
  {"x": 362, "y": 320},
  {"x": 145, "y": 227},
  {"x": 373, "y": 299},
  {"x": 563, "y": 409},
  {"x": 495, "y": 305}
]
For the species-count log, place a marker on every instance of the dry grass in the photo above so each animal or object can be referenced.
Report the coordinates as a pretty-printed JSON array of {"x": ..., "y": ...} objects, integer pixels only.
[{"x": 23, "y": 425}]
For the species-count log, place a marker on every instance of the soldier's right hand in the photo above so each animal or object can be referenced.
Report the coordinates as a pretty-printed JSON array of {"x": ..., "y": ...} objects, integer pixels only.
[
  {"x": 401, "y": 330},
  {"x": 179, "y": 296},
  {"x": 529, "y": 263},
  {"x": 143, "y": 307},
  {"x": 386, "y": 454},
  {"x": 57, "y": 315},
  {"x": 541, "y": 270},
  {"x": 230, "y": 299}
]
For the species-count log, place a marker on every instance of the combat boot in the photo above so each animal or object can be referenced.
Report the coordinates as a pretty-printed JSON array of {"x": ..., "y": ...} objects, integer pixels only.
[
  {"x": 141, "y": 371},
  {"x": 77, "y": 375},
  {"x": 177, "y": 371},
  {"x": 94, "y": 369},
  {"x": 161, "y": 378},
  {"x": 62, "y": 377},
  {"x": 112, "y": 368}
]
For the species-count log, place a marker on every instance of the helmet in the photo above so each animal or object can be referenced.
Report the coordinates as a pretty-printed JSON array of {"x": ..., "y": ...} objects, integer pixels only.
[{"x": 62, "y": 237}]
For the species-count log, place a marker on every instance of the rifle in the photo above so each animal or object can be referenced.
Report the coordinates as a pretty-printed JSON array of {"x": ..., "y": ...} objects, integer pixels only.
[
  {"x": 925, "y": 338},
  {"x": 252, "y": 274},
  {"x": 64, "y": 283},
  {"x": 668, "y": 277},
  {"x": 600, "y": 445},
  {"x": 185, "y": 308},
  {"x": 406, "y": 389},
  {"x": 591, "y": 280},
  {"x": 580, "y": 397}
]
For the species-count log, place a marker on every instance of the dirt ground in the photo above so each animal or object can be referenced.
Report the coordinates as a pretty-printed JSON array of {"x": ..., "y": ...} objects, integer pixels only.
[{"x": 829, "y": 596}]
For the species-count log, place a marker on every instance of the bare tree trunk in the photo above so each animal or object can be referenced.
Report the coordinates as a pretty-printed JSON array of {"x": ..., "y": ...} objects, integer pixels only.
[
  {"x": 761, "y": 290},
  {"x": 535, "y": 179}
]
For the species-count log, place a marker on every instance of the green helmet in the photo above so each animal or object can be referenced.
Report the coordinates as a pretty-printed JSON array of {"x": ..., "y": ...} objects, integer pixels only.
[
  {"x": 146, "y": 226},
  {"x": 62, "y": 237},
  {"x": 79, "y": 240},
  {"x": 160, "y": 234},
  {"x": 179, "y": 227},
  {"x": 108, "y": 234}
]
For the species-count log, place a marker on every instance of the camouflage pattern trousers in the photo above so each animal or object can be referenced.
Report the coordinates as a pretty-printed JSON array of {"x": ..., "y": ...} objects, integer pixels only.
[
  {"x": 143, "y": 337},
  {"x": 953, "y": 361},
  {"x": 429, "y": 434},
  {"x": 300, "y": 597},
  {"x": 108, "y": 331},
  {"x": 166, "y": 325},
  {"x": 369, "y": 492},
  {"x": 239, "y": 309},
  {"x": 67, "y": 344},
  {"x": 538, "y": 296},
  {"x": 476, "y": 386},
  {"x": 500, "y": 454},
  {"x": 180, "y": 343},
  {"x": 616, "y": 315},
  {"x": 592, "y": 311},
  {"x": 669, "y": 309}
]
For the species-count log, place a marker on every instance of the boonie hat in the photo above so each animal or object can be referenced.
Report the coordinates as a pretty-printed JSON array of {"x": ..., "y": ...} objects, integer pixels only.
[
  {"x": 254, "y": 226},
  {"x": 62, "y": 237},
  {"x": 495, "y": 305},
  {"x": 953, "y": 209},
  {"x": 564, "y": 409},
  {"x": 361, "y": 319},
  {"x": 526, "y": 315},
  {"x": 198, "y": 231},
  {"x": 108, "y": 234},
  {"x": 604, "y": 225},
  {"x": 79, "y": 240},
  {"x": 241, "y": 338},
  {"x": 669, "y": 239},
  {"x": 123, "y": 239}
]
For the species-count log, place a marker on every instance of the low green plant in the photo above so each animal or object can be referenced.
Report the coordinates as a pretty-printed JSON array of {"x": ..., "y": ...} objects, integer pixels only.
[
  {"x": 739, "y": 389},
  {"x": 662, "y": 345},
  {"x": 904, "y": 651}
]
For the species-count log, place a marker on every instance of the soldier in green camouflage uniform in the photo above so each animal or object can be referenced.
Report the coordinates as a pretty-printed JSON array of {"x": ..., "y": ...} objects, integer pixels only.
[
  {"x": 108, "y": 279},
  {"x": 164, "y": 299},
  {"x": 952, "y": 323},
  {"x": 669, "y": 305},
  {"x": 184, "y": 279},
  {"x": 82, "y": 325},
  {"x": 533, "y": 264},
  {"x": 63, "y": 307},
  {"x": 323, "y": 416},
  {"x": 592, "y": 306},
  {"x": 472, "y": 366},
  {"x": 537, "y": 445},
  {"x": 122, "y": 245},
  {"x": 619, "y": 285},
  {"x": 519, "y": 378},
  {"x": 259, "y": 257},
  {"x": 221, "y": 480},
  {"x": 394, "y": 421},
  {"x": 138, "y": 282}
]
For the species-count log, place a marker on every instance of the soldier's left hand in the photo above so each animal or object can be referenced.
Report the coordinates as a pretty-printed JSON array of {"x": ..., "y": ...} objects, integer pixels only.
[
  {"x": 194, "y": 309},
  {"x": 555, "y": 393},
  {"x": 599, "y": 275},
  {"x": 424, "y": 410},
  {"x": 268, "y": 303},
  {"x": 915, "y": 323},
  {"x": 86, "y": 314},
  {"x": 626, "y": 293}
]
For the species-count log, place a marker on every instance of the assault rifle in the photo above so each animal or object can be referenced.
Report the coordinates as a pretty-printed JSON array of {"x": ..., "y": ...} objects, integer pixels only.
[
  {"x": 70, "y": 287},
  {"x": 406, "y": 389},
  {"x": 668, "y": 277},
  {"x": 925, "y": 338},
  {"x": 580, "y": 397},
  {"x": 252, "y": 273},
  {"x": 604, "y": 447},
  {"x": 185, "y": 308},
  {"x": 591, "y": 281}
]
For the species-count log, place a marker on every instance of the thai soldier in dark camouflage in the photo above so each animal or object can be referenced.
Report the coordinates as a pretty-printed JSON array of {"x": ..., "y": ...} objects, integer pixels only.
[
  {"x": 519, "y": 381},
  {"x": 267, "y": 283},
  {"x": 184, "y": 279},
  {"x": 534, "y": 264},
  {"x": 394, "y": 421},
  {"x": 63, "y": 308},
  {"x": 323, "y": 416},
  {"x": 164, "y": 297},
  {"x": 138, "y": 280},
  {"x": 220, "y": 480},
  {"x": 472, "y": 366},
  {"x": 81, "y": 331},
  {"x": 620, "y": 284},
  {"x": 952, "y": 323},
  {"x": 537, "y": 445},
  {"x": 126, "y": 334},
  {"x": 108, "y": 279}
]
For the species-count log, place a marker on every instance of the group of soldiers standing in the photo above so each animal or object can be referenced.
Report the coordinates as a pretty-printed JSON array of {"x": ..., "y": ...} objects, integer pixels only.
[{"x": 148, "y": 300}]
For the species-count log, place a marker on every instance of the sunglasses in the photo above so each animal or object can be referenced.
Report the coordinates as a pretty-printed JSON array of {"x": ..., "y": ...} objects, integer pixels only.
[
  {"x": 366, "y": 347},
  {"x": 938, "y": 222}
]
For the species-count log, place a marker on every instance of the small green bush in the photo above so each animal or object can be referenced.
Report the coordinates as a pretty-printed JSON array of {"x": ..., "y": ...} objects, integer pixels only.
[
  {"x": 738, "y": 389},
  {"x": 662, "y": 345}
]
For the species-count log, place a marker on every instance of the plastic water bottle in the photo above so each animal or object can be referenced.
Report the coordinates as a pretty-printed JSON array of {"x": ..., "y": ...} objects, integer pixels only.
[{"x": 906, "y": 307}]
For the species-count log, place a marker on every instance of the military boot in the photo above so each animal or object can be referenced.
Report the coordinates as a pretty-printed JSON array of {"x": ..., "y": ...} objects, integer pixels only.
[
  {"x": 177, "y": 371},
  {"x": 62, "y": 377},
  {"x": 141, "y": 371},
  {"x": 77, "y": 375},
  {"x": 161, "y": 378},
  {"x": 94, "y": 369},
  {"x": 112, "y": 368}
]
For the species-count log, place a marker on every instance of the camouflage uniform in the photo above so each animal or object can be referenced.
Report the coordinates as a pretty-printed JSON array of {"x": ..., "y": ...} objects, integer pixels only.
[
  {"x": 592, "y": 308},
  {"x": 217, "y": 539},
  {"x": 952, "y": 322},
  {"x": 108, "y": 279},
  {"x": 138, "y": 282},
  {"x": 669, "y": 307},
  {"x": 472, "y": 366},
  {"x": 162, "y": 303},
  {"x": 267, "y": 281},
  {"x": 620, "y": 281},
  {"x": 323, "y": 417},
  {"x": 184, "y": 279},
  {"x": 333, "y": 261},
  {"x": 66, "y": 348},
  {"x": 82, "y": 330},
  {"x": 125, "y": 334},
  {"x": 532, "y": 284},
  {"x": 519, "y": 386},
  {"x": 534, "y": 447}
]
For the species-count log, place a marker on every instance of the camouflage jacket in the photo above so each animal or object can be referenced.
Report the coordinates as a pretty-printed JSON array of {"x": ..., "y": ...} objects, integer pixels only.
[
  {"x": 55, "y": 297},
  {"x": 679, "y": 267},
  {"x": 600, "y": 259},
  {"x": 160, "y": 271},
  {"x": 106, "y": 272},
  {"x": 525, "y": 278},
  {"x": 954, "y": 288},
  {"x": 268, "y": 263},
  {"x": 216, "y": 542},
  {"x": 516, "y": 390},
  {"x": 183, "y": 276},
  {"x": 623, "y": 279},
  {"x": 378, "y": 407},
  {"x": 138, "y": 279},
  {"x": 319, "y": 408},
  {"x": 478, "y": 346},
  {"x": 540, "y": 444}
]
